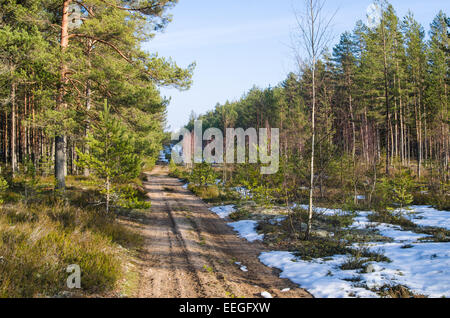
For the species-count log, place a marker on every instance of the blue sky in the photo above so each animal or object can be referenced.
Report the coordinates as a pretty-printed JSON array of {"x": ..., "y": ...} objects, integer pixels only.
[{"x": 241, "y": 43}]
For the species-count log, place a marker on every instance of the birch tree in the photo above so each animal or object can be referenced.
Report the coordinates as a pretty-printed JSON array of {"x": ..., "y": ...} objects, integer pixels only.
[{"x": 312, "y": 36}]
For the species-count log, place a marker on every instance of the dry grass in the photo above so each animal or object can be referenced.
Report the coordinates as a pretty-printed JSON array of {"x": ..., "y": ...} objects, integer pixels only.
[
  {"x": 397, "y": 291},
  {"x": 44, "y": 234},
  {"x": 36, "y": 249},
  {"x": 207, "y": 193}
]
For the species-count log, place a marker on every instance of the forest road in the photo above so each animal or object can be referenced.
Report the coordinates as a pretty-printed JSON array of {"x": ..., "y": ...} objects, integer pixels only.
[{"x": 191, "y": 253}]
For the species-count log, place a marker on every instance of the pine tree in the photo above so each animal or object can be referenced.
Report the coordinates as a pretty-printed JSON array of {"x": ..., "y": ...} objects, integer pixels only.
[
  {"x": 344, "y": 56},
  {"x": 416, "y": 69},
  {"x": 112, "y": 154},
  {"x": 105, "y": 44},
  {"x": 438, "y": 89}
]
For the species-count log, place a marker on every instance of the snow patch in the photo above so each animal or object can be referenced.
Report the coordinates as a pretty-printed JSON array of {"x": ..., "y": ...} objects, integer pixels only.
[
  {"x": 394, "y": 232},
  {"x": 277, "y": 220},
  {"x": 244, "y": 192},
  {"x": 266, "y": 295},
  {"x": 422, "y": 267},
  {"x": 223, "y": 211},
  {"x": 324, "y": 211},
  {"x": 162, "y": 156},
  {"x": 247, "y": 229},
  {"x": 320, "y": 278},
  {"x": 428, "y": 216}
]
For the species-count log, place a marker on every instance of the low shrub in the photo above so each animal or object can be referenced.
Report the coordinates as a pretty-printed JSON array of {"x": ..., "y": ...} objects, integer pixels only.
[
  {"x": 39, "y": 242},
  {"x": 208, "y": 193},
  {"x": 241, "y": 214},
  {"x": 361, "y": 256},
  {"x": 131, "y": 197},
  {"x": 177, "y": 171},
  {"x": 397, "y": 291},
  {"x": 386, "y": 216},
  {"x": 353, "y": 263},
  {"x": 320, "y": 248}
]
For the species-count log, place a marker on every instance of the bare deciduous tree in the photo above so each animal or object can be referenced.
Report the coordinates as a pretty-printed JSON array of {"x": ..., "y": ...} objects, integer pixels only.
[{"x": 311, "y": 38}]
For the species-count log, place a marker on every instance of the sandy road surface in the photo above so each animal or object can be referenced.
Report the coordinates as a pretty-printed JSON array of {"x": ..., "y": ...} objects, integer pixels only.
[{"x": 191, "y": 253}]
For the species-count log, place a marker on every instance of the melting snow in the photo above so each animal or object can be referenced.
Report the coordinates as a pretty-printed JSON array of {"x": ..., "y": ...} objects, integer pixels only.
[
  {"x": 422, "y": 267},
  {"x": 242, "y": 267},
  {"x": 277, "y": 220},
  {"x": 320, "y": 278},
  {"x": 324, "y": 211},
  {"x": 388, "y": 230},
  {"x": 247, "y": 230},
  {"x": 428, "y": 216},
  {"x": 245, "y": 193},
  {"x": 266, "y": 295},
  {"x": 223, "y": 211}
]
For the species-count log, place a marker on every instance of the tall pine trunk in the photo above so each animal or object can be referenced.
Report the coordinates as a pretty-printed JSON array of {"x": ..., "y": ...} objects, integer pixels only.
[
  {"x": 60, "y": 139},
  {"x": 386, "y": 96},
  {"x": 13, "y": 128}
]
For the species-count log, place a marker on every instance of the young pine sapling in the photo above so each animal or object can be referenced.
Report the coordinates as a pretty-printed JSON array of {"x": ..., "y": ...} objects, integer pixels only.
[{"x": 112, "y": 157}]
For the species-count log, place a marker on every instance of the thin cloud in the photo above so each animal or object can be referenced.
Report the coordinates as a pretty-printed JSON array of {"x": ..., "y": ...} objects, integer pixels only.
[{"x": 223, "y": 35}]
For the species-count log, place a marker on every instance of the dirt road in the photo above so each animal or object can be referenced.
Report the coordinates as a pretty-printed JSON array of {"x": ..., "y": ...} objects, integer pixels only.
[{"x": 190, "y": 252}]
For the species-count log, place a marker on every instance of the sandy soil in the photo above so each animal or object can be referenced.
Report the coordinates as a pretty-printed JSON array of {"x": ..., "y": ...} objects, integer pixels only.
[{"x": 191, "y": 253}]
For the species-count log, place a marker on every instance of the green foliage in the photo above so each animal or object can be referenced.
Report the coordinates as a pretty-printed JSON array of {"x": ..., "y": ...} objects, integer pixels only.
[
  {"x": 203, "y": 175},
  {"x": 378, "y": 85},
  {"x": 46, "y": 165},
  {"x": 397, "y": 190},
  {"x": 40, "y": 239},
  {"x": 341, "y": 221},
  {"x": 261, "y": 189},
  {"x": 28, "y": 178},
  {"x": 131, "y": 198},
  {"x": 176, "y": 171},
  {"x": 105, "y": 59},
  {"x": 3, "y": 187},
  {"x": 112, "y": 156}
]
